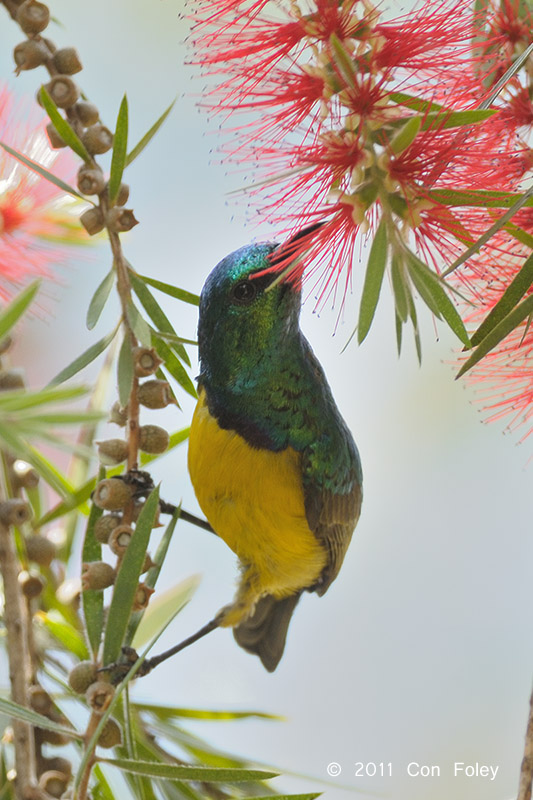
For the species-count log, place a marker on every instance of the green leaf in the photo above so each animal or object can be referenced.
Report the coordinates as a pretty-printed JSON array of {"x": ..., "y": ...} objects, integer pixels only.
[
  {"x": 344, "y": 61},
  {"x": 415, "y": 103},
  {"x": 520, "y": 234},
  {"x": 125, "y": 371},
  {"x": 139, "y": 326},
  {"x": 171, "y": 712},
  {"x": 405, "y": 135},
  {"x": 187, "y": 773},
  {"x": 127, "y": 580},
  {"x": 479, "y": 197},
  {"x": 99, "y": 299},
  {"x": 11, "y": 314},
  {"x": 85, "y": 359},
  {"x": 42, "y": 172},
  {"x": 399, "y": 330},
  {"x": 400, "y": 289},
  {"x": 456, "y": 119},
  {"x": 308, "y": 796},
  {"x": 498, "y": 333},
  {"x": 430, "y": 287},
  {"x": 93, "y": 602},
  {"x": 64, "y": 129},
  {"x": 21, "y": 399},
  {"x": 172, "y": 291},
  {"x": 11, "y": 709},
  {"x": 164, "y": 607},
  {"x": 120, "y": 148},
  {"x": 509, "y": 299},
  {"x": 174, "y": 366},
  {"x": 65, "y": 633},
  {"x": 156, "y": 313},
  {"x": 20, "y": 448},
  {"x": 416, "y": 330},
  {"x": 139, "y": 147},
  {"x": 375, "y": 270}
]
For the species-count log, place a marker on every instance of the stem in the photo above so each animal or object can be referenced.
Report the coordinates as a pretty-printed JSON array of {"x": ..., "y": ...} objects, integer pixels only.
[
  {"x": 526, "y": 768},
  {"x": 16, "y": 624}
]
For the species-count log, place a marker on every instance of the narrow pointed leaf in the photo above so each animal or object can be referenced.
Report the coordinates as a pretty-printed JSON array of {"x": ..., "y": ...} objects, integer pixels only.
[
  {"x": 174, "y": 366},
  {"x": 498, "y": 333},
  {"x": 456, "y": 119},
  {"x": 84, "y": 360},
  {"x": 64, "y": 129},
  {"x": 416, "y": 330},
  {"x": 399, "y": 330},
  {"x": 164, "y": 607},
  {"x": 509, "y": 299},
  {"x": 125, "y": 370},
  {"x": 423, "y": 276},
  {"x": 156, "y": 313},
  {"x": 120, "y": 148},
  {"x": 139, "y": 147},
  {"x": 99, "y": 299},
  {"x": 343, "y": 61},
  {"x": 44, "y": 173},
  {"x": 172, "y": 291},
  {"x": 20, "y": 399},
  {"x": 171, "y": 712},
  {"x": 405, "y": 135},
  {"x": 139, "y": 326},
  {"x": 308, "y": 796},
  {"x": 11, "y": 709},
  {"x": 478, "y": 197},
  {"x": 65, "y": 633},
  {"x": 186, "y": 773},
  {"x": 415, "y": 103},
  {"x": 400, "y": 289},
  {"x": 375, "y": 270},
  {"x": 127, "y": 580},
  {"x": 11, "y": 314},
  {"x": 93, "y": 602}
]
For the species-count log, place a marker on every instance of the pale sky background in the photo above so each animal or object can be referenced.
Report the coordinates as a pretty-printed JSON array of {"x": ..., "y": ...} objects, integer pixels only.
[{"x": 422, "y": 650}]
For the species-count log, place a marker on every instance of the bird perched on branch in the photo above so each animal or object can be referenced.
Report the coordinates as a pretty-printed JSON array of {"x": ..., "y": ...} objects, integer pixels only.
[{"x": 273, "y": 464}]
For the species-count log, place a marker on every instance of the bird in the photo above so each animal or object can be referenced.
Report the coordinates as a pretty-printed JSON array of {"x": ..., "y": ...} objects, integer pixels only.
[{"x": 273, "y": 464}]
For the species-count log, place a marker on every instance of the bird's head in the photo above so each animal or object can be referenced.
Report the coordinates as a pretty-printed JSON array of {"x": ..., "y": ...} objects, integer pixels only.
[{"x": 249, "y": 306}]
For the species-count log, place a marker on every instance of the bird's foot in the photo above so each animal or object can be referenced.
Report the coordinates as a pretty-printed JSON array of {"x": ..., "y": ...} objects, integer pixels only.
[{"x": 118, "y": 670}]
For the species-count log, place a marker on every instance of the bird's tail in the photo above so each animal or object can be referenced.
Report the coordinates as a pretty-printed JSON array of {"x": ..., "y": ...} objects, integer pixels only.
[{"x": 265, "y": 631}]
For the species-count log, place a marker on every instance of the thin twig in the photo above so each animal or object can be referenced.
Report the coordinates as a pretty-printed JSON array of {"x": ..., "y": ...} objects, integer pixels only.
[
  {"x": 526, "y": 768},
  {"x": 16, "y": 624}
]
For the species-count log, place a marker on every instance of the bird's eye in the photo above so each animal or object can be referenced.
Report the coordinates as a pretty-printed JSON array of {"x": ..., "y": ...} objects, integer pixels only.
[{"x": 243, "y": 293}]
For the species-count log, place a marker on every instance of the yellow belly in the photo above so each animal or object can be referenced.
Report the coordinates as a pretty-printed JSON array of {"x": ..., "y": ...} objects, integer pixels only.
[{"x": 254, "y": 500}]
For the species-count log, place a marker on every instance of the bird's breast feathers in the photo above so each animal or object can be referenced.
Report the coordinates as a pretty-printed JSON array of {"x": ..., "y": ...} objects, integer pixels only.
[{"x": 254, "y": 500}]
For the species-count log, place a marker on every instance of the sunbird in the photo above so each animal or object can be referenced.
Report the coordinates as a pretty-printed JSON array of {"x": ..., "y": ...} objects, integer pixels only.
[{"x": 274, "y": 466}]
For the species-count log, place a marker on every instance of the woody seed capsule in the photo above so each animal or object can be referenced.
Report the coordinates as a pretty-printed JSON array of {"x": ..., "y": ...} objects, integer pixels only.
[
  {"x": 97, "y": 575},
  {"x": 112, "y": 451},
  {"x": 33, "y": 17},
  {"x": 121, "y": 219},
  {"x": 53, "y": 782},
  {"x": 87, "y": 113},
  {"x": 97, "y": 139},
  {"x": 155, "y": 394},
  {"x": 31, "y": 584},
  {"x": 99, "y": 696},
  {"x": 118, "y": 415},
  {"x": 104, "y": 527},
  {"x": 24, "y": 475},
  {"x": 63, "y": 91},
  {"x": 39, "y": 700},
  {"x": 120, "y": 539},
  {"x": 67, "y": 61},
  {"x": 90, "y": 180},
  {"x": 142, "y": 597},
  {"x": 56, "y": 141},
  {"x": 111, "y": 734},
  {"x": 40, "y": 549},
  {"x": 153, "y": 439},
  {"x": 30, "y": 54},
  {"x": 93, "y": 221},
  {"x": 14, "y": 512},
  {"x": 81, "y": 676},
  {"x": 11, "y": 379},
  {"x": 111, "y": 494},
  {"x": 145, "y": 361}
]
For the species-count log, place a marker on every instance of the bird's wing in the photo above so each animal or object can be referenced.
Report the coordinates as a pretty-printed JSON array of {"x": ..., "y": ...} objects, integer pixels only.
[{"x": 332, "y": 517}]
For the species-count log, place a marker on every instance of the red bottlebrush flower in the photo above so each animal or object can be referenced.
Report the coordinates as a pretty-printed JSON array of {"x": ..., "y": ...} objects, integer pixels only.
[
  {"x": 348, "y": 120},
  {"x": 33, "y": 216}
]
